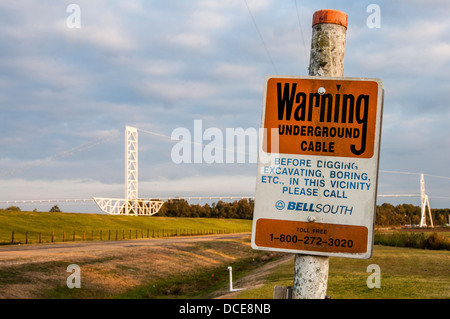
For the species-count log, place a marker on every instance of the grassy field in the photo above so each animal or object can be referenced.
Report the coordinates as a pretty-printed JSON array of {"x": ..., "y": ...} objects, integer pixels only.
[
  {"x": 435, "y": 239},
  {"x": 197, "y": 270},
  {"x": 172, "y": 269},
  {"x": 92, "y": 224},
  {"x": 406, "y": 273}
]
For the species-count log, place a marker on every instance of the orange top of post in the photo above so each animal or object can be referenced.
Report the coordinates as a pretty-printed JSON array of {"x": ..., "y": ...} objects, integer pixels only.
[{"x": 330, "y": 16}]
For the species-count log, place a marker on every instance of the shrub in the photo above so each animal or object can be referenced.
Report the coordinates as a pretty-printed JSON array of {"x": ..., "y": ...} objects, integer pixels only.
[
  {"x": 14, "y": 208},
  {"x": 413, "y": 240}
]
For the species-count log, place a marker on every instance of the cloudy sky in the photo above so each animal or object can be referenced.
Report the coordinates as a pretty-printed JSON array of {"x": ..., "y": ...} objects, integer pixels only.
[{"x": 67, "y": 93}]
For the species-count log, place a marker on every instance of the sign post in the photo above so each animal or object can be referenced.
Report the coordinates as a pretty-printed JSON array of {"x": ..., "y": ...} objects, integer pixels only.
[{"x": 318, "y": 165}]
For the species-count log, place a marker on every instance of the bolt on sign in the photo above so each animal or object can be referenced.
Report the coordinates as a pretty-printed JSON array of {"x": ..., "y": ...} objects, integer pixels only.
[{"x": 318, "y": 166}]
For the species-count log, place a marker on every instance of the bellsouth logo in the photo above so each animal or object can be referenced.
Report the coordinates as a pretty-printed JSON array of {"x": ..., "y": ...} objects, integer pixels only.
[{"x": 280, "y": 205}]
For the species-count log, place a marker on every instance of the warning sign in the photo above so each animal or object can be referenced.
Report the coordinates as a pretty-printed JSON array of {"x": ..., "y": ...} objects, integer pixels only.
[
  {"x": 318, "y": 166},
  {"x": 318, "y": 117}
]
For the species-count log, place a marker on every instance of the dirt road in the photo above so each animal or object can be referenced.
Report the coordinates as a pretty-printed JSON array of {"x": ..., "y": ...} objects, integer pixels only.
[
  {"x": 111, "y": 268},
  {"x": 22, "y": 254}
]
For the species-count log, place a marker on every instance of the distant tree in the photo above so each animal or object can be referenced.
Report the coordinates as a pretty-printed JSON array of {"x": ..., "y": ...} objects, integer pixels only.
[
  {"x": 388, "y": 215},
  {"x": 206, "y": 212},
  {"x": 218, "y": 209},
  {"x": 245, "y": 209},
  {"x": 55, "y": 209},
  {"x": 175, "y": 208},
  {"x": 13, "y": 208},
  {"x": 181, "y": 208}
]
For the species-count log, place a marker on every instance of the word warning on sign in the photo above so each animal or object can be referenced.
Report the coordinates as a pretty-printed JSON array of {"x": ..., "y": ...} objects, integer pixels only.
[{"x": 318, "y": 166}]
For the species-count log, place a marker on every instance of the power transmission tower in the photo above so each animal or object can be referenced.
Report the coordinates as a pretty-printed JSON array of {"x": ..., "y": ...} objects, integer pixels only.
[
  {"x": 131, "y": 205},
  {"x": 424, "y": 203}
]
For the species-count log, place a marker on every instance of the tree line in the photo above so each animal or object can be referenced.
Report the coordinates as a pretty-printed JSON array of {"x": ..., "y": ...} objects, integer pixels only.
[
  {"x": 241, "y": 209},
  {"x": 408, "y": 214},
  {"x": 54, "y": 209},
  {"x": 386, "y": 214}
]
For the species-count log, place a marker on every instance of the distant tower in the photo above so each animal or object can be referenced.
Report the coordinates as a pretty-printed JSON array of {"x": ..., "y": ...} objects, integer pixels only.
[
  {"x": 131, "y": 170},
  {"x": 424, "y": 203},
  {"x": 131, "y": 163},
  {"x": 131, "y": 205}
]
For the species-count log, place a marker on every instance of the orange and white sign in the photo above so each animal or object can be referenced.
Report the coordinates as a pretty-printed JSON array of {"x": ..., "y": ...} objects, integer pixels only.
[
  {"x": 318, "y": 166},
  {"x": 322, "y": 117}
]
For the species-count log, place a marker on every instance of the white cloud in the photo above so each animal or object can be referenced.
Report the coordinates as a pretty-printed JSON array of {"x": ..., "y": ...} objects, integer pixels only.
[
  {"x": 198, "y": 185},
  {"x": 177, "y": 90},
  {"x": 190, "y": 40},
  {"x": 416, "y": 47},
  {"x": 111, "y": 38},
  {"x": 57, "y": 189},
  {"x": 204, "y": 19},
  {"x": 235, "y": 71},
  {"x": 160, "y": 65},
  {"x": 45, "y": 71},
  {"x": 192, "y": 186}
]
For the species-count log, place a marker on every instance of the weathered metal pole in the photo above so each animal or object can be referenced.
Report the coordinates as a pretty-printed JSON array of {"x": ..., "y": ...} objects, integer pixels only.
[{"x": 327, "y": 59}]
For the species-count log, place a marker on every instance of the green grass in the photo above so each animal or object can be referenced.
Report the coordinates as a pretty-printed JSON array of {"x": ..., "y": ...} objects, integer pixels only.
[
  {"x": 406, "y": 273},
  {"x": 194, "y": 283},
  {"x": 46, "y": 223},
  {"x": 194, "y": 286}
]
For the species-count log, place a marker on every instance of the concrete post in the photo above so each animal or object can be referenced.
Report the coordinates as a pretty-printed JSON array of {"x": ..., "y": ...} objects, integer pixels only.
[
  {"x": 326, "y": 59},
  {"x": 328, "y": 43},
  {"x": 230, "y": 270}
]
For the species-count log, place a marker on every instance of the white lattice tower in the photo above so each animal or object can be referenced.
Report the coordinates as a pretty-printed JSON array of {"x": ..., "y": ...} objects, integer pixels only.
[
  {"x": 130, "y": 205},
  {"x": 131, "y": 169},
  {"x": 424, "y": 203},
  {"x": 131, "y": 163}
]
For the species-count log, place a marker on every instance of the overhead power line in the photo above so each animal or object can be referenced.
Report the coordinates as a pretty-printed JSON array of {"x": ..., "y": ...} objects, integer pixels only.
[
  {"x": 61, "y": 155},
  {"x": 413, "y": 173},
  {"x": 261, "y": 37},
  {"x": 301, "y": 32}
]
